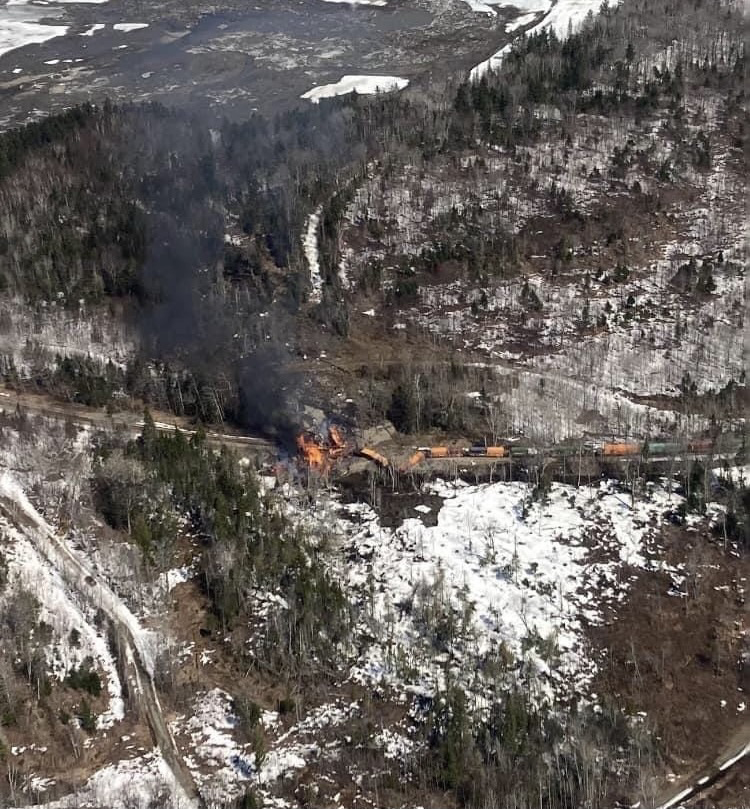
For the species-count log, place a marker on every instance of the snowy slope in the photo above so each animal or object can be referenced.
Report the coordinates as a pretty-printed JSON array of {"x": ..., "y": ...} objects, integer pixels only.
[
  {"x": 61, "y": 611},
  {"x": 137, "y": 782},
  {"x": 512, "y": 572},
  {"x": 565, "y": 15}
]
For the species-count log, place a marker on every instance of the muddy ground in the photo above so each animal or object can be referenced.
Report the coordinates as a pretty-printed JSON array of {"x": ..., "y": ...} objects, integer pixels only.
[
  {"x": 232, "y": 61},
  {"x": 671, "y": 653}
]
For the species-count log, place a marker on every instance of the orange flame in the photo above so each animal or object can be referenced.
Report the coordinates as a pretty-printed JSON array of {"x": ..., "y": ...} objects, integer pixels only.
[
  {"x": 318, "y": 452},
  {"x": 312, "y": 452}
]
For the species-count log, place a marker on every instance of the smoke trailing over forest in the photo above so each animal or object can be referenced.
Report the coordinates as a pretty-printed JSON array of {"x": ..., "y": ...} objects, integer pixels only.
[{"x": 198, "y": 232}]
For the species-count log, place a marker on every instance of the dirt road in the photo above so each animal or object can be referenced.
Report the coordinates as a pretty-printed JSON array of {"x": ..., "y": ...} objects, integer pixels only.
[{"x": 126, "y": 421}]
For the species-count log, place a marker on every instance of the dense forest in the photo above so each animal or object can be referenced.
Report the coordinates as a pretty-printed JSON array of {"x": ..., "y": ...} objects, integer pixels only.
[{"x": 198, "y": 232}]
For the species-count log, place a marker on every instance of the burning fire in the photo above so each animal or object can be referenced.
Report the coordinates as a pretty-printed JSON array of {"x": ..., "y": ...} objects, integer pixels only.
[
  {"x": 318, "y": 452},
  {"x": 312, "y": 452}
]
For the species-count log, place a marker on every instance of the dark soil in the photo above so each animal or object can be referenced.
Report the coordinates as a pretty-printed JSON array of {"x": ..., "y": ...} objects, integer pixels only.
[{"x": 677, "y": 657}]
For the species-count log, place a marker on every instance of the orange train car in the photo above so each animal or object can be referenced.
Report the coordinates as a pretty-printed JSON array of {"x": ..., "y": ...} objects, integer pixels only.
[
  {"x": 621, "y": 448},
  {"x": 336, "y": 438},
  {"x": 495, "y": 452},
  {"x": 414, "y": 460},
  {"x": 372, "y": 455}
]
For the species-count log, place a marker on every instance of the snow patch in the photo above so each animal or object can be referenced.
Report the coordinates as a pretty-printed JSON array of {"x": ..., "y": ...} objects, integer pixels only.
[
  {"x": 89, "y": 32},
  {"x": 16, "y": 34},
  {"x": 562, "y": 17},
  {"x": 127, "y": 27},
  {"x": 310, "y": 249},
  {"x": 364, "y": 85},
  {"x": 508, "y": 571},
  {"x": 379, "y": 3},
  {"x": 142, "y": 781}
]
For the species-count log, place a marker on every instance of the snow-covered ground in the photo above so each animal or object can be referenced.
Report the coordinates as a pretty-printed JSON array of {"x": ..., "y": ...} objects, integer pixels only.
[
  {"x": 63, "y": 612},
  {"x": 220, "y": 764},
  {"x": 564, "y": 16},
  {"x": 312, "y": 256},
  {"x": 531, "y": 7},
  {"x": 33, "y": 337},
  {"x": 360, "y": 2},
  {"x": 20, "y": 26},
  {"x": 89, "y": 32},
  {"x": 137, "y": 782},
  {"x": 127, "y": 27},
  {"x": 63, "y": 559},
  {"x": 364, "y": 85},
  {"x": 499, "y": 571},
  {"x": 40, "y": 558}
]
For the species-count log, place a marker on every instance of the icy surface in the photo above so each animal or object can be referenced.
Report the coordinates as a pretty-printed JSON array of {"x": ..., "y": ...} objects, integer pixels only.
[{"x": 364, "y": 85}]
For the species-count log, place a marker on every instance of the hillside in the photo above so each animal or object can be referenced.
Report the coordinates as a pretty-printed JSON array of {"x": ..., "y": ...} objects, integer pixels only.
[{"x": 391, "y": 451}]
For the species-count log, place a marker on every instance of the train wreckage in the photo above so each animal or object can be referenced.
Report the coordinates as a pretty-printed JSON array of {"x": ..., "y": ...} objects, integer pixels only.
[{"x": 319, "y": 451}]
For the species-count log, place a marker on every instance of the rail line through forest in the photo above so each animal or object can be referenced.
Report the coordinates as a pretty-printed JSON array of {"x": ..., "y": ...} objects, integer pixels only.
[{"x": 100, "y": 596}]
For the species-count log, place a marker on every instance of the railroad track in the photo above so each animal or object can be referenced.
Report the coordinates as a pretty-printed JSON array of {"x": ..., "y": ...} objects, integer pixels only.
[
  {"x": 99, "y": 595},
  {"x": 700, "y": 782}
]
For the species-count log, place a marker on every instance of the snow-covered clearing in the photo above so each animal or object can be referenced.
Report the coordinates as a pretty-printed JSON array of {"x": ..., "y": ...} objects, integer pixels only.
[
  {"x": 500, "y": 574},
  {"x": 364, "y": 85},
  {"x": 137, "y": 782}
]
